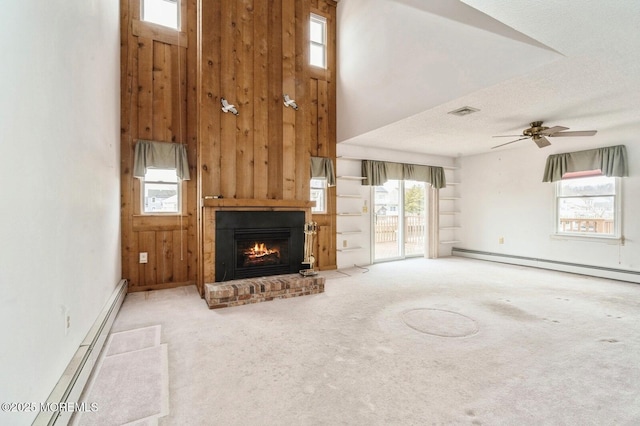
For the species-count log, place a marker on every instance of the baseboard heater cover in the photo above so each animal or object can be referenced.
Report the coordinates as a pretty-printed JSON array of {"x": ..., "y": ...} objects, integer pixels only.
[
  {"x": 598, "y": 271},
  {"x": 70, "y": 386}
]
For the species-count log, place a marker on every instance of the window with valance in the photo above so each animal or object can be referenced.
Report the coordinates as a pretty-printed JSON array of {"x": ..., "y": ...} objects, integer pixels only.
[
  {"x": 160, "y": 166},
  {"x": 587, "y": 187},
  {"x": 376, "y": 173}
]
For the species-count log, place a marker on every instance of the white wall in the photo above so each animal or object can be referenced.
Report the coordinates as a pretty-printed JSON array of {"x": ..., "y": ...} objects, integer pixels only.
[
  {"x": 503, "y": 196},
  {"x": 59, "y": 151}
]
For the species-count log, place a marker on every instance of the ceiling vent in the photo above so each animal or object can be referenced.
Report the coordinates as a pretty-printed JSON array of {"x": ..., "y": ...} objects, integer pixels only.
[{"x": 465, "y": 110}]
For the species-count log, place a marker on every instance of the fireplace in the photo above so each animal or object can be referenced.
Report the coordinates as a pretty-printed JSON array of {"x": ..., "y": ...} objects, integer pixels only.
[{"x": 256, "y": 244}]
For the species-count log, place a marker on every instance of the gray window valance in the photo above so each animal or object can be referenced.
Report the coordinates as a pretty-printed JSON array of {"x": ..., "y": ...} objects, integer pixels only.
[
  {"x": 378, "y": 172},
  {"x": 160, "y": 155},
  {"x": 611, "y": 160},
  {"x": 322, "y": 167}
]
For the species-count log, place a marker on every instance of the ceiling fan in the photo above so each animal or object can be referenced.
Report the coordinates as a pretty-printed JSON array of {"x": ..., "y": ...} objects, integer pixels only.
[{"x": 539, "y": 134}]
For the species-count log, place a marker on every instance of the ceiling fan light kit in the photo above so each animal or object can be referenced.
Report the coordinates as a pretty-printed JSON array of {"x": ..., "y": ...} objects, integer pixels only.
[{"x": 539, "y": 133}]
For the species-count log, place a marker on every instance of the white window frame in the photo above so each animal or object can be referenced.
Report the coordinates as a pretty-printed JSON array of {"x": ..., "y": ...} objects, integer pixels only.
[
  {"x": 319, "y": 184},
  {"x": 589, "y": 236},
  {"x": 323, "y": 44},
  {"x": 178, "y": 17},
  {"x": 145, "y": 181}
]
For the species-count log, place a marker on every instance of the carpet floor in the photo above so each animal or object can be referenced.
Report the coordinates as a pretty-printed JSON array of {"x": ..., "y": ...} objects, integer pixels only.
[
  {"x": 446, "y": 341},
  {"x": 130, "y": 383}
]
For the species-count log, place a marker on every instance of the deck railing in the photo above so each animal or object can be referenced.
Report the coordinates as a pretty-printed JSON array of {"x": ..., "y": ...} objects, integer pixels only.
[
  {"x": 386, "y": 228},
  {"x": 592, "y": 226}
]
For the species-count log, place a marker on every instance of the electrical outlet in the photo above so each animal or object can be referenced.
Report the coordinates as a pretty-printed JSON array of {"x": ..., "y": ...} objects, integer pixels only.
[
  {"x": 501, "y": 240},
  {"x": 344, "y": 243},
  {"x": 144, "y": 257}
]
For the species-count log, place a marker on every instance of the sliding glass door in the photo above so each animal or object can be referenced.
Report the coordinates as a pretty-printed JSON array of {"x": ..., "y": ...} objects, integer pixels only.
[
  {"x": 386, "y": 227},
  {"x": 399, "y": 220},
  {"x": 415, "y": 218}
]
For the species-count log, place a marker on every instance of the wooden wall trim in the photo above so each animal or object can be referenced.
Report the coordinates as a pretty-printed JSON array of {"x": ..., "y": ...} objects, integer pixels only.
[
  {"x": 258, "y": 203},
  {"x": 159, "y": 33}
]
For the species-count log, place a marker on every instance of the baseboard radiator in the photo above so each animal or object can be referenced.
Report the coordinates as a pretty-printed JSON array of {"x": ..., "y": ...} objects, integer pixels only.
[
  {"x": 70, "y": 386},
  {"x": 556, "y": 265}
]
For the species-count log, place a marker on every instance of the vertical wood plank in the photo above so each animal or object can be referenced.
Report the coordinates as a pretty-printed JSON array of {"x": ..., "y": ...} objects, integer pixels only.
[
  {"x": 275, "y": 167},
  {"x": 303, "y": 152},
  {"x": 164, "y": 256},
  {"x": 228, "y": 134},
  {"x": 145, "y": 88},
  {"x": 289, "y": 87},
  {"x": 209, "y": 247},
  {"x": 158, "y": 117},
  {"x": 128, "y": 120},
  {"x": 192, "y": 95},
  {"x": 260, "y": 96},
  {"x": 179, "y": 256},
  {"x": 161, "y": 91},
  {"x": 176, "y": 56},
  {"x": 244, "y": 99},
  {"x": 313, "y": 119},
  {"x": 182, "y": 98},
  {"x": 132, "y": 250},
  {"x": 167, "y": 100},
  {"x": 210, "y": 93},
  {"x": 331, "y": 125},
  {"x": 322, "y": 125},
  {"x": 323, "y": 238},
  {"x": 147, "y": 271}
]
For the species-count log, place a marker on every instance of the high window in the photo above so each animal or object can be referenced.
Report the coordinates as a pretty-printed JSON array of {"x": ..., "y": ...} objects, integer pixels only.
[
  {"x": 588, "y": 206},
  {"x": 162, "y": 12},
  {"x": 318, "y": 41},
  {"x": 319, "y": 195},
  {"x": 160, "y": 191}
]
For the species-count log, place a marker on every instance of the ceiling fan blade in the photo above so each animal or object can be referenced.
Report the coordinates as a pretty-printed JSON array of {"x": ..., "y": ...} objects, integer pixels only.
[
  {"x": 506, "y": 136},
  {"x": 541, "y": 141},
  {"x": 498, "y": 146},
  {"x": 552, "y": 130},
  {"x": 576, "y": 133}
]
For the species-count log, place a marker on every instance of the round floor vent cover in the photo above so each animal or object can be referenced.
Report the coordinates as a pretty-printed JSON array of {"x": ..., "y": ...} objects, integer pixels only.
[{"x": 439, "y": 322}]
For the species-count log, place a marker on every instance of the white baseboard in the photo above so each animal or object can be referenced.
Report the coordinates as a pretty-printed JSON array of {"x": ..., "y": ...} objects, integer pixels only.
[
  {"x": 575, "y": 268},
  {"x": 75, "y": 377}
]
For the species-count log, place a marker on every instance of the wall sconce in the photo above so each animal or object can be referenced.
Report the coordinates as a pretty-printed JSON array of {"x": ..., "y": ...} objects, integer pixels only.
[
  {"x": 227, "y": 107},
  {"x": 288, "y": 102}
]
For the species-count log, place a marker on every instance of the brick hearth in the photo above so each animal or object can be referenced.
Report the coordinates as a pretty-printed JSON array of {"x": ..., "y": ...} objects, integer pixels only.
[{"x": 253, "y": 290}]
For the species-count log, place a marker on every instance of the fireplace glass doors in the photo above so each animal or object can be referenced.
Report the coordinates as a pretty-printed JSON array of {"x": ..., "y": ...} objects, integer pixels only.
[
  {"x": 261, "y": 252},
  {"x": 255, "y": 244}
]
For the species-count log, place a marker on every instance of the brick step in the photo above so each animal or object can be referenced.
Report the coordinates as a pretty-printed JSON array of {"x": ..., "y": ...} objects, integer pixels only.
[{"x": 254, "y": 290}]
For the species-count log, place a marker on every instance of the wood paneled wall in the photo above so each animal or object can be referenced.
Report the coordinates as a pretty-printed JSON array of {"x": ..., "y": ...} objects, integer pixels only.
[
  {"x": 250, "y": 52},
  {"x": 157, "y": 77}
]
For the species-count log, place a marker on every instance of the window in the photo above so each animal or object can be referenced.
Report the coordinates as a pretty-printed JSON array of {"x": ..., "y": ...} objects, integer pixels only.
[
  {"x": 161, "y": 12},
  {"x": 399, "y": 219},
  {"x": 588, "y": 206},
  {"x": 318, "y": 41},
  {"x": 319, "y": 195},
  {"x": 160, "y": 191}
]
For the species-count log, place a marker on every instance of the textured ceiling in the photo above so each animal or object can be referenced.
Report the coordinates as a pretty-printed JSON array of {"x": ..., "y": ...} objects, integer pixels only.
[{"x": 404, "y": 64}]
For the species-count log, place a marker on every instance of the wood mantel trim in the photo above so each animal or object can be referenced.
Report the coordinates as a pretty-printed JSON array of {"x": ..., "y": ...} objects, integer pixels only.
[{"x": 258, "y": 203}]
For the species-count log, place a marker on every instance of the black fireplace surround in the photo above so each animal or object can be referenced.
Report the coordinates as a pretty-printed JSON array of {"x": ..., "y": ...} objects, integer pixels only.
[{"x": 256, "y": 244}]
